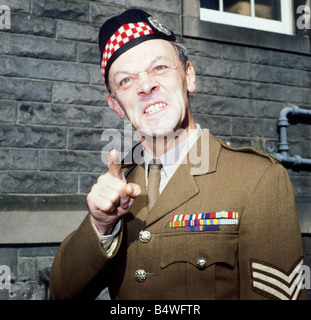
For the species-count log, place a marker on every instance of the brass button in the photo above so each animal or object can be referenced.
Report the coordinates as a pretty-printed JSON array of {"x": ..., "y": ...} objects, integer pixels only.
[
  {"x": 201, "y": 263},
  {"x": 228, "y": 143},
  {"x": 140, "y": 275},
  {"x": 144, "y": 236}
]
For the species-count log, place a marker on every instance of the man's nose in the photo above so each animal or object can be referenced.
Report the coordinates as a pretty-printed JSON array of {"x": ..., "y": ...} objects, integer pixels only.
[{"x": 146, "y": 83}]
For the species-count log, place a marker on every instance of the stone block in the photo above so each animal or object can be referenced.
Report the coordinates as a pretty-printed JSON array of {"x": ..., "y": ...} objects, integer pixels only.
[
  {"x": 172, "y": 6},
  {"x": 296, "y": 95},
  {"x": 286, "y": 76},
  {"x": 73, "y": 30},
  {"x": 8, "y": 257},
  {"x": 209, "y": 66},
  {"x": 89, "y": 53},
  {"x": 246, "y": 71},
  {"x": 306, "y": 241},
  {"x": 8, "y": 111},
  {"x": 299, "y": 132},
  {"x": 116, "y": 2},
  {"x": 72, "y": 10},
  {"x": 112, "y": 120},
  {"x": 279, "y": 59},
  {"x": 77, "y": 161},
  {"x": 22, "y": 291},
  {"x": 235, "y": 52},
  {"x": 202, "y": 48},
  {"x": 18, "y": 159},
  {"x": 87, "y": 180},
  {"x": 96, "y": 76},
  {"x": 78, "y": 94},
  {"x": 36, "y": 182},
  {"x": 26, "y": 269},
  {"x": 267, "y": 109},
  {"x": 300, "y": 147},
  {"x": 29, "y": 24},
  {"x": 37, "y": 47},
  {"x": 100, "y": 12},
  {"x": 61, "y": 115},
  {"x": 216, "y": 125},
  {"x": 169, "y": 20},
  {"x": 301, "y": 184},
  {"x": 270, "y": 92},
  {"x": 226, "y": 106},
  {"x": 32, "y": 136},
  {"x": 207, "y": 85},
  {"x": 20, "y": 89},
  {"x": 234, "y": 88},
  {"x": 44, "y": 69},
  {"x": 44, "y": 262},
  {"x": 85, "y": 139},
  {"x": 19, "y": 5},
  {"x": 38, "y": 251},
  {"x": 253, "y": 127}
]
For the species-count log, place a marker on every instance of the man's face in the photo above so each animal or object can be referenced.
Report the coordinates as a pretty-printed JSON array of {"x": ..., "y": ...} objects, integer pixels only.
[{"x": 151, "y": 87}]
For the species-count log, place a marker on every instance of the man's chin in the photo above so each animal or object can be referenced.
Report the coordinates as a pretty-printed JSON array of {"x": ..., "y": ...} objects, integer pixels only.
[{"x": 156, "y": 132}]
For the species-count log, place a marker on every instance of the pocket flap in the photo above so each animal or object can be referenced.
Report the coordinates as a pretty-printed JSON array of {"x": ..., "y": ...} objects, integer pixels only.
[{"x": 189, "y": 247}]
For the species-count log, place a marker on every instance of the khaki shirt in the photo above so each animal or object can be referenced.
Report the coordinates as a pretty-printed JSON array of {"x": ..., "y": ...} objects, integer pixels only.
[{"x": 260, "y": 257}]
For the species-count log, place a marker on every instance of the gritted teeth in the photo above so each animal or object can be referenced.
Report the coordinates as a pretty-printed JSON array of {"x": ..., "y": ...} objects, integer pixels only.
[{"x": 155, "y": 108}]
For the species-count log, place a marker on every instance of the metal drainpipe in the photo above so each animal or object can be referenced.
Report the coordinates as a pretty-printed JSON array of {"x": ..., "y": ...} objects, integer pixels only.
[
  {"x": 44, "y": 277},
  {"x": 283, "y": 147}
]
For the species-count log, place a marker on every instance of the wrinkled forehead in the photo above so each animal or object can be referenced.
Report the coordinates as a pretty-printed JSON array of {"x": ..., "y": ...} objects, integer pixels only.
[{"x": 143, "y": 55}]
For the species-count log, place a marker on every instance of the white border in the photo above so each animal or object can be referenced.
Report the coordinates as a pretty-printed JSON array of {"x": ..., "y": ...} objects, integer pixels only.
[{"x": 285, "y": 26}]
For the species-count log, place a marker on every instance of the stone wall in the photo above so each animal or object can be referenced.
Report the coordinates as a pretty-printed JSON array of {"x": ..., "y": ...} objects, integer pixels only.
[
  {"x": 53, "y": 109},
  {"x": 27, "y": 264}
]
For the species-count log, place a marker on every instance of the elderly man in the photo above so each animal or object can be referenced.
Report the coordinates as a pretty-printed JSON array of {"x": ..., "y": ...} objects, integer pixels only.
[{"x": 223, "y": 228}]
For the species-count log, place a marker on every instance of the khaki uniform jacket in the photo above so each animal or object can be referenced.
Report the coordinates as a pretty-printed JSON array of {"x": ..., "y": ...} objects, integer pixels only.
[{"x": 260, "y": 258}]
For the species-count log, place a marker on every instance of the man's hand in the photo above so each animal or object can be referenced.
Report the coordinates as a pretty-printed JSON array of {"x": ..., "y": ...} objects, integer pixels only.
[{"x": 111, "y": 197}]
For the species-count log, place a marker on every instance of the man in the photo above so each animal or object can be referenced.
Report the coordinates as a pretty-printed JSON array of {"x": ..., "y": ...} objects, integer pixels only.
[{"x": 222, "y": 228}]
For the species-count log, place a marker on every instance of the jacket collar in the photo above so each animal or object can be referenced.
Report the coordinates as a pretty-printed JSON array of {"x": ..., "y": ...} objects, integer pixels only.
[{"x": 202, "y": 157}]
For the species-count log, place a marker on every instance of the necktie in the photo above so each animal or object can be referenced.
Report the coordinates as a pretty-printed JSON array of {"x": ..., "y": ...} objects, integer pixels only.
[{"x": 154, "y": 177}]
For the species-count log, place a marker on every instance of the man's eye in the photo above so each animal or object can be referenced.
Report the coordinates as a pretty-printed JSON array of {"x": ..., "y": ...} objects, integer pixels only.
[
  {"x": 159, "y": 68},
  {"x": 125, "y": 81}
]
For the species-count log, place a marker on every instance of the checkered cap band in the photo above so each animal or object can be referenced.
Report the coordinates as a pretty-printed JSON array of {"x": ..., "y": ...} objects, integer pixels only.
[{"x": 124, "y": 34}]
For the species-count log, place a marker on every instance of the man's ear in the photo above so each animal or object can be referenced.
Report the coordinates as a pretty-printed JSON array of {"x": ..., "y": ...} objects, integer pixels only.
[
  {"x": 114, "y": 105},
  {"x": 191, "y": 78}
]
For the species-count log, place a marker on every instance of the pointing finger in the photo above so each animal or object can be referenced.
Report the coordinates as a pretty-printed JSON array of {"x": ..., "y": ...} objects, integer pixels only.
[
  {"x": 114, "y": 166},
  {"x": 133, "y": 190}
]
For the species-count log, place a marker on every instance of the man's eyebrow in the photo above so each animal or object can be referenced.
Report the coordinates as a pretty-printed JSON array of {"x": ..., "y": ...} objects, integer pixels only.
[{"x": 154, "y": 61}]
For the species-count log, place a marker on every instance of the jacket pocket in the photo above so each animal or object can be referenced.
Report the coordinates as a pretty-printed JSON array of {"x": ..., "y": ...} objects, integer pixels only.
[{"x": 203, "y": 261}]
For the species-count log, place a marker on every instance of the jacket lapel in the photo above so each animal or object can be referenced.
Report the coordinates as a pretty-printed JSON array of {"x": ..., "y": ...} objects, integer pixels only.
[
  {"x": 179, "y": 189},
  {"x": 201, "y": 159},
  {"x": 140, "y": 205}
]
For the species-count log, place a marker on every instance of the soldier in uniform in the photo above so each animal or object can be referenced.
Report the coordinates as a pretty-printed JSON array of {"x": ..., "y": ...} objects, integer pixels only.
[{"x": 217, "y": 222}]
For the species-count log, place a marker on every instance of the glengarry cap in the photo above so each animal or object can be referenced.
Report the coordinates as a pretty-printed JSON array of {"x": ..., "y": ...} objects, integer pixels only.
[{"x": 125, "y": 31}]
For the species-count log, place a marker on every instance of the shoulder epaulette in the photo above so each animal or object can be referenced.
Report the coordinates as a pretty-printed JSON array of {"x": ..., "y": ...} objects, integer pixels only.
[{"x": 228, "y": 146}]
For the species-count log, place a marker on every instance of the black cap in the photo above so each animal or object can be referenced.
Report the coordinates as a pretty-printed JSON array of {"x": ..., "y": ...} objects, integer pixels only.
[{"x": 125, "y": 31}]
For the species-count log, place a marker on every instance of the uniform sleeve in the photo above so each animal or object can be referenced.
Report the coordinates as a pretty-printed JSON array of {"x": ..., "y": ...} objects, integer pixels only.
[
  {"x": 270, "y": 246},
  {"x": 79, "y": 261}
]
